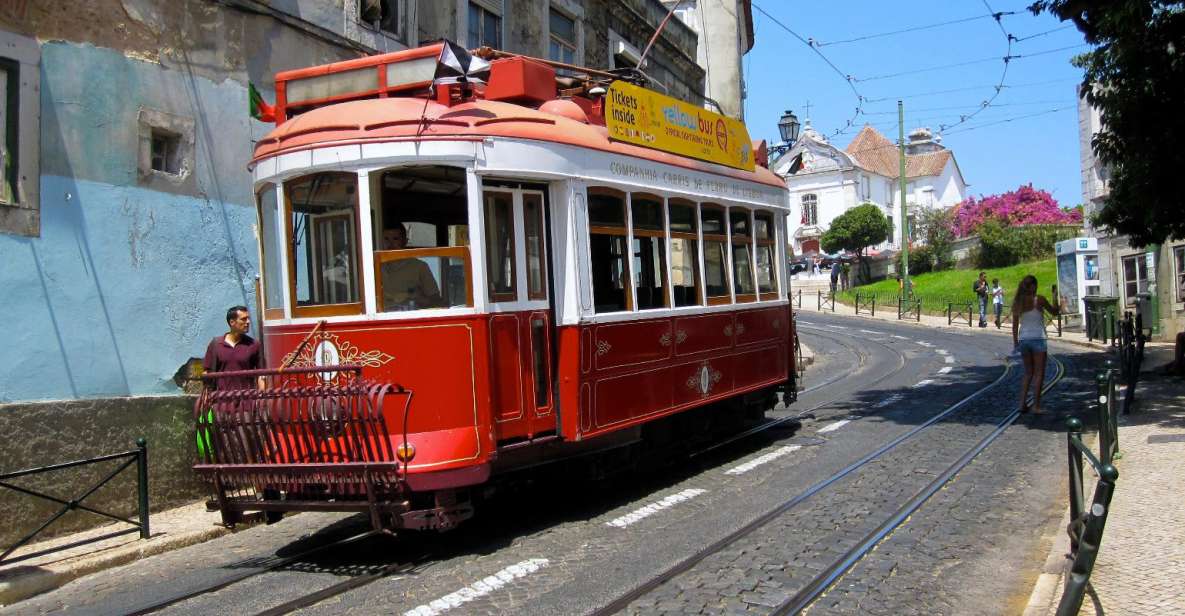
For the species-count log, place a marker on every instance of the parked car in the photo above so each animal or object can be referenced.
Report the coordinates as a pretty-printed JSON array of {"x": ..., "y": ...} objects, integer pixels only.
[{"x": 799, "y": 264}]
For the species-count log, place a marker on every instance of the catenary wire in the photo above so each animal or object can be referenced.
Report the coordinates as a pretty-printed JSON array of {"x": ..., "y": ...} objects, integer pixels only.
[{"x": 818, "y": 43}]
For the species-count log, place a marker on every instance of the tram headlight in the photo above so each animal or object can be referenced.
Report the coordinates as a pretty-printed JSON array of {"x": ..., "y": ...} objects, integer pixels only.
[{"x": 405, "y": 452}]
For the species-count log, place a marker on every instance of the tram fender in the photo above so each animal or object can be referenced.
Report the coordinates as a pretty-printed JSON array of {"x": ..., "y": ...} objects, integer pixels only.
[{"x": 454, "y": 478}]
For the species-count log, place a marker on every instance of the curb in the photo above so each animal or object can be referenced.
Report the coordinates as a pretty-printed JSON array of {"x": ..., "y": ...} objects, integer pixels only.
[{"x": 22, "y": 582}]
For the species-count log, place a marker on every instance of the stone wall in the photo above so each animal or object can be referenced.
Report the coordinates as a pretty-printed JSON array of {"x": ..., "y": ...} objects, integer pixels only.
[{"x": 43, "y": 433}]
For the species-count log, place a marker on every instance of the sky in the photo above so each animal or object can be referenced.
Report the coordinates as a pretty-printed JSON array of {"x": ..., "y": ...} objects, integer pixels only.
[{"x": 997, "y": 150}]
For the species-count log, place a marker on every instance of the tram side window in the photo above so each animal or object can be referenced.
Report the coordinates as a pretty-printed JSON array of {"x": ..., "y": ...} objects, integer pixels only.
[
  {"x": 684, "y": 253},
  {"x": 422, "y": 224},
  {"x": 650, "y": 263},
  {"x": 742, "y": 261},
  {"x": 499, "y": 211},
  {"x": 269, "y": 238},
  {"x": 324, "y": 240},
  {"x": 716, "y": 270},
  {"x": 765, "y": 234},
  {"x": 607, "y": 244},
  {"x": 534, "y": 228}
]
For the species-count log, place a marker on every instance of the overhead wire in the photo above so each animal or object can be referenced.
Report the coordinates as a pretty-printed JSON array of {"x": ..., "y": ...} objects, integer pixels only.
[
  {"x": 818, "y": 43},
  {"x": 846, "y": 77},
  {"x": 1003, "y": 74}
]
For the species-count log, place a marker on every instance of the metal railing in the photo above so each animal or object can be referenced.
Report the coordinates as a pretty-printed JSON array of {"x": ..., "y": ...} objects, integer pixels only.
[
  {"x": 826, "y": 300},
  {"x": 138, "y": 456},
  {"x": 796, "y": 299},
  {"x": 1131, "y": 356},
  {"x": 909, "y": 307},
  {"x": 1086, "y": 526},
  {"x": 866, "y": 302},
  {"x": 959, "y": 311}
]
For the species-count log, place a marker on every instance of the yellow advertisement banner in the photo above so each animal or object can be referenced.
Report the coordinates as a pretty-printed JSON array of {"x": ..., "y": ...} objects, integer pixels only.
[{"x": 636, "y": 115}]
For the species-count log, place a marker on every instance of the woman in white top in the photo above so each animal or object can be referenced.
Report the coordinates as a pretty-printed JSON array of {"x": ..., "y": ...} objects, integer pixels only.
[
  {"x": 1028, "y": 336},
  {"x": 997, "y": 299}
]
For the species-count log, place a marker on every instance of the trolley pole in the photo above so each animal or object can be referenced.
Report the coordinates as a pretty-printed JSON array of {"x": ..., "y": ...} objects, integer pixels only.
[{"x": 906, "y": 289}]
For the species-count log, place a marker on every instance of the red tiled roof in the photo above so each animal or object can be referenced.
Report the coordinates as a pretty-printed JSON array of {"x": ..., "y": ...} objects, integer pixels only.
[{"x": 874, "y": 152}]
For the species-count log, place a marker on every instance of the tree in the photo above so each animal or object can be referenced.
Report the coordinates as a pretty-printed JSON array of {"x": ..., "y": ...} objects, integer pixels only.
[
  {"x": 1133, "y": 77},
  {"x": 937, "y": 228},
  {"x": 855, "y": 230},
  {"x": 1024, "y": 206}
]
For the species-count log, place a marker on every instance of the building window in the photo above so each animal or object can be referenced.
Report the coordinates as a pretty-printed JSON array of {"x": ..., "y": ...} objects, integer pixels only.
[
  {"x": 810, "y": 209},
  {"x": 381, "y": 14},
  {"x": 1135, "y": 277},
  {"x": 562, "y": 45},
  {"x": 20, "y": 139},
  {"x": 1179, "y": 260},
  {"x": 485, "y": 24},
  {"x": 166, "y": 152}
]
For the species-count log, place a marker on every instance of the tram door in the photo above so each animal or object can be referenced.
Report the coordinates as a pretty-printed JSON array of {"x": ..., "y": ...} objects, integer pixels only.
[{"x": 521, "y": 325}]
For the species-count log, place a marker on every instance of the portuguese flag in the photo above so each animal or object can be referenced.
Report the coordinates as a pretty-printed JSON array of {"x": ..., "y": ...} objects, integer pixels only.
[{"x": 260, "y": 110}]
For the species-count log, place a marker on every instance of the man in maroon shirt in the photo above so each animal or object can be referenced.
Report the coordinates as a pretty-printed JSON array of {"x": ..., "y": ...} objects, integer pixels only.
[{"x": 234, "y": 350}]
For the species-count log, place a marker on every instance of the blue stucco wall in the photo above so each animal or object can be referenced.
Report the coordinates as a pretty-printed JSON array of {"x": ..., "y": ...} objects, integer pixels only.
[{"x": 125, "y": 283}]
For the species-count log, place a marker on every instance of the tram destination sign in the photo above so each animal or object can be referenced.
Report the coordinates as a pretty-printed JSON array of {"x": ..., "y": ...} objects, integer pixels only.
[{"x": 642, "y": 117}]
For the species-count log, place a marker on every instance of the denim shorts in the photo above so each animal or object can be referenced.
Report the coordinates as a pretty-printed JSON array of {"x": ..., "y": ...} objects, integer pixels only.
[{"x": 1033, "y": 345}]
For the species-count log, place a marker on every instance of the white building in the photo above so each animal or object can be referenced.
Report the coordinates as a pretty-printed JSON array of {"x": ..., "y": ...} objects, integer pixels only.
[
  {"x": 1126, "y": 271},
  {"x": 825, "y": 181}
]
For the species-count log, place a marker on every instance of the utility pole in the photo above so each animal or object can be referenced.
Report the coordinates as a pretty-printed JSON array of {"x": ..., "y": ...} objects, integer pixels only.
[{"x": 906, "y": 290}]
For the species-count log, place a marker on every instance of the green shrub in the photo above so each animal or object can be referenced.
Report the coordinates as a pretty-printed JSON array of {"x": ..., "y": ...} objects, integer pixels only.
[{"x": 1001, "y": 246}]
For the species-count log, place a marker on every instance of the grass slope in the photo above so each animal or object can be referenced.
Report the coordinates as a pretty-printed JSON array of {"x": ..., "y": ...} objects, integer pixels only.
[{"x": 935, "y": 289}]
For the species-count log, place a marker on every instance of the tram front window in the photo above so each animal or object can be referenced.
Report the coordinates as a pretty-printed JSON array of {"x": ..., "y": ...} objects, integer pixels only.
[
  {"x": 422, "y": 244},
  {"x": 323, "y": 239}
]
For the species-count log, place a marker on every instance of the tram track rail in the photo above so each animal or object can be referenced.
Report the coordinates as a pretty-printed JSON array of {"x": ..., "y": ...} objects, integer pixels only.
[
  {"x": 799, "y": 416},
  {"x": 827, "y": 578}
]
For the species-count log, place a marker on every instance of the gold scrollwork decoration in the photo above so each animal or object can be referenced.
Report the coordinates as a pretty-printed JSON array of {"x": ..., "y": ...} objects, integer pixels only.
[
  {"x": 740, "y": 328},
  {"x": 680, "y": 336},
  {"x": 603, "y": 347},
  {"x": 728, "y": 330},
  {"x": 665, "y": 339}
]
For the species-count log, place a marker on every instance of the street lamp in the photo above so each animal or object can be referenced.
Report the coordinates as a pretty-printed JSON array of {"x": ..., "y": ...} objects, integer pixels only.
[{"x": 788, "y": 127}]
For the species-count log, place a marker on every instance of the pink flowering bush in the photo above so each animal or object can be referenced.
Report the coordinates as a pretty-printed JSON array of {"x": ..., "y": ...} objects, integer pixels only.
[{"x": 1024, "y": 206}]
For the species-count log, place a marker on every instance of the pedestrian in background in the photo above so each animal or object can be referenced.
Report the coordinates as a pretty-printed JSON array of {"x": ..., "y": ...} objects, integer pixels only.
[
  {"x": 997, "y": 299},
  {"x": 981, "y": 289},
  {"x": 834, "y": 276},
  {"x": 1028, "y": 336},
  {"x": 844, "y": 279}
]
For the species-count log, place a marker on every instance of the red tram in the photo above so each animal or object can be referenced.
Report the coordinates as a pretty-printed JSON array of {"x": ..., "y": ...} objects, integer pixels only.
[{"x": 530, "y": 283}]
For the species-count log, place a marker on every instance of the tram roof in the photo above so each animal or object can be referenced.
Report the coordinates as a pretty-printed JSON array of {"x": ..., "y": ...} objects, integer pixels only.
[{"x": 557, "y": 121}]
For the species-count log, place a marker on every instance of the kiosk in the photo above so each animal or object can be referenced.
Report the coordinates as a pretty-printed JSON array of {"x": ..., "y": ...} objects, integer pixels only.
[{"x": 1077, "y": 272}]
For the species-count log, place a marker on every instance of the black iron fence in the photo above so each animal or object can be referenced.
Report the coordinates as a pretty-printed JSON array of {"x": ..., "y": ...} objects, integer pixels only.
[
  {"x": 1086, "y": 525},
  {"x": 796, "y": 299},
  {"x": 957, "y": 311},
  {"x": 1131, "y": 356},
  {"x": 826, "y": 301},
  {"x": 1101, "y": 323},
  {"x": 138, "y": 456},
  {"x": 909, "y": 308},
  {"x": 866, "y": 303}
]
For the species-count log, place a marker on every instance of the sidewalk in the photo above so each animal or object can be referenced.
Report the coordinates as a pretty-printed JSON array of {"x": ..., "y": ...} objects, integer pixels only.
[
  {"x": 1141, "y": 559},
  {"x": 32, "y": 570}
]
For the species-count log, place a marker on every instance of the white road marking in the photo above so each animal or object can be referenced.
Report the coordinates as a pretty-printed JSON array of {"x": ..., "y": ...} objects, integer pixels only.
[
  {"x": 769, "y": 457},
  {"x": 893, "y": 399},
  {"x": 945, "y": 370},
  {"x": 923, "y": 383},
  {"x": 832, "y": 427},
  {"x": 869, "y": 331},
  {"x": 479, "y": 589},
  {"x": 900, "y": 337},
  {"x": 948, "y": 359},
  {"x": 943, "y": 352},
  {"x": 655, "y": 507},
  {"x": 924, "y": 343}
]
